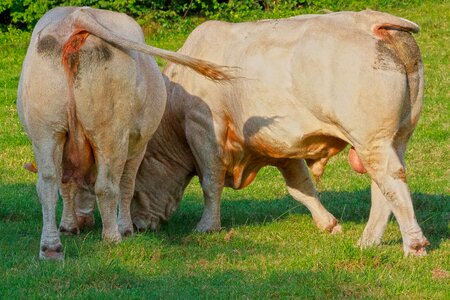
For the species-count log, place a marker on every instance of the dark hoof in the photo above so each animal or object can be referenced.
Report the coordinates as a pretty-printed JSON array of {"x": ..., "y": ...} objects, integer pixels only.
[
  {"x": 127, "y": 233},
  {"x": 48, "y": 253},
  {"x": 152, "y": 224},
  {"x": 207, "y": 229},
  {"x": 334, "y": 227},
  {"x": 72, "y": 231},
  {"x": 155, "y": 226},
  {"x": 135, "y": 228},
  {"x": 417, "y": 248}
]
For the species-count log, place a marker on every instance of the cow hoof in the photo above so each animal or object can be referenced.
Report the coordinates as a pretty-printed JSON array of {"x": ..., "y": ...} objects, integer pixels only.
[
  {"x": 85, "y": 221},
  {"x": 50, "y": 253},
  {"x": 126, "y": 232},
  {"x": 125, "y": 228},
  {"x": 337, "y": 229},
  {"x": 114, "y": 238},
  {"x": 365, "y": 242},
  {"x": 207, "y": 227},
  {"x": 418, "y": 252},
  {"x": 147, "y": 223},
  {"x": 332, "y": 227},
  {"x": 417, "y": 248},
  {"x": 139, "y": 229},
  {"x": 139, "y": 226},
  {"x": 66, "y": 231},
  {"x": 155, "y": 225}
]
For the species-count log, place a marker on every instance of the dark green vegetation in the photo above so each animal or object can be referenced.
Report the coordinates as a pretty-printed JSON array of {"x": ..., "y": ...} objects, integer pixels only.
[
  {"x": 269, "y": 247},
  {"x": 25, "y": 13}
]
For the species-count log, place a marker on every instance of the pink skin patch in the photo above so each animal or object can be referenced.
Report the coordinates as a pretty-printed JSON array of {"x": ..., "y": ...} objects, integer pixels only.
[{"x": 355, "y": 162}]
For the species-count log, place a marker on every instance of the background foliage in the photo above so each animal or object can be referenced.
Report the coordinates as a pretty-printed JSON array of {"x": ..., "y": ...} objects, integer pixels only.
[{"x": 25, "y": 13}]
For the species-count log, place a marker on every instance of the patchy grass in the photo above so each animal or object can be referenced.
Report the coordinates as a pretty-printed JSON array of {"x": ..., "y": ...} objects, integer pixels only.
[{"x": 270, "y": 247}]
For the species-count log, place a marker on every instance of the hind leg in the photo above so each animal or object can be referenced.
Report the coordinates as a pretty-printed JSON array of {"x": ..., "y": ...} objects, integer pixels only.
[
  {"x": 301, "y": 188},
  {"x": 127, "y": 190},
  {"x": 210, "y": 167},
  {"x": 107, "y": 190},
  {"x": 48, "y": 153},
  {"x": 380, "y": 211},
  {"x": 387, "y": 171}
]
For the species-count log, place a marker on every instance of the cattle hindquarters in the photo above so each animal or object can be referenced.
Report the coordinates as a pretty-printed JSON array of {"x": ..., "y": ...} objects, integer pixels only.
[{"x": 90, "y": 117}]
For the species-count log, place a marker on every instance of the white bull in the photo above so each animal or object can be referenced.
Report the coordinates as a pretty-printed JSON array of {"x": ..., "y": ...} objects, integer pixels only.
[
  {"x": 309, "y": 86},
  {"x": 90, "y": 97}
]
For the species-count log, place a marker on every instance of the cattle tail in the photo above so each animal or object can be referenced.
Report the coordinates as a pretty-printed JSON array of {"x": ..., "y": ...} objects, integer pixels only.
[
  {"x": 409, "y": 54},
  {"x": 405, "y": 47},
  {"x": 78, "y": 155}
]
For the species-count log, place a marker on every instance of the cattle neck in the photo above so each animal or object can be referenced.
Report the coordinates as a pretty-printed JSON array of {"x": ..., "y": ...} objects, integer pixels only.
[
  {"x": 169, "y": 142},
  {"x": 166, "y": 169}
]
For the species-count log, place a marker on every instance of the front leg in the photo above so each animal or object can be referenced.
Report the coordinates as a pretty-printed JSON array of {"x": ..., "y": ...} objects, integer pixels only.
[
  {"x": 78, "y": 208},
  {"x": 202, "y": 138},
  {"x": 84, "y": 206},
  {"x": 127, "y": 184},
  {"x": 69, "y": 224},
  {"x": 212, "y": 189},
  {"x": 301, "y": 188}
]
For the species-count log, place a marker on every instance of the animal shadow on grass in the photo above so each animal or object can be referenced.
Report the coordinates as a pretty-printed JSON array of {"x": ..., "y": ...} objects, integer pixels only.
[
  {"x": 432, "y": 212},
  {"x": 19, "y": 206}
]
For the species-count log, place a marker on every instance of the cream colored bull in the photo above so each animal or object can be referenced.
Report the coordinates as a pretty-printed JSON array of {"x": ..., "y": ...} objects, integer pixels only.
[
  {"x": 90, "y": 97},
  {"x": 309, "y": 86}
]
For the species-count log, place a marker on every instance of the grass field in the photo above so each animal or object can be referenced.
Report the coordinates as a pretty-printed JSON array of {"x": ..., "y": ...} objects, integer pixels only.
[{"x": 269, "y": 247}]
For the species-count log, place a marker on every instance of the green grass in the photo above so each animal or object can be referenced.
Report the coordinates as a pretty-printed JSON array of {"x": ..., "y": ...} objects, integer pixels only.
[{"x": 274, "y": 251}]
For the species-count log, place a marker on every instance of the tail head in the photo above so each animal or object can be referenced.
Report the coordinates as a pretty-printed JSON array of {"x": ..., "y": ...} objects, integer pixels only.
[
  {"x": 70, "y": 55},
  {"x": 403, "y": 43}
]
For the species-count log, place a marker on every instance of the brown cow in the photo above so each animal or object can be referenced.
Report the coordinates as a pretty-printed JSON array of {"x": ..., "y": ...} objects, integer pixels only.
[{"x": 90, "y": 97}]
